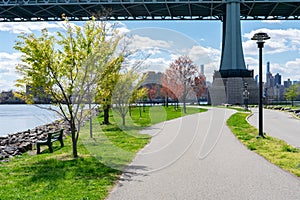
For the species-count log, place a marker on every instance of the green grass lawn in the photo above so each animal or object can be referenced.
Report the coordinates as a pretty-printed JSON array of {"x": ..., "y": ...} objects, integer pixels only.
[
  {"x": 274, "y": 150},
  {"x": 58, "y": 176}
]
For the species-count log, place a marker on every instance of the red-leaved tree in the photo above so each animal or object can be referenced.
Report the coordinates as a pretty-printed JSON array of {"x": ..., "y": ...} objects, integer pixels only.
[
  {"x": 166, "y": 92},
  {"x": 199, "y": 86},
  {"x": 152, "y": 92},
  {"x": 179, "y": 78}
]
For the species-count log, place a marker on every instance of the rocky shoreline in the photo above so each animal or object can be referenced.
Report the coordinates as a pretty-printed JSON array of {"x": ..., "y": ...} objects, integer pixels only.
[
  {"x": 295, "y": 112},
  {"x": 20, "y": 142}
]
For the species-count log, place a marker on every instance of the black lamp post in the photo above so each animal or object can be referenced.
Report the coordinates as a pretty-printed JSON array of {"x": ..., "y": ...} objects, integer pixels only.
[
  {"x": 246, "y": 96},
  {"x": 260, "y": 37}
]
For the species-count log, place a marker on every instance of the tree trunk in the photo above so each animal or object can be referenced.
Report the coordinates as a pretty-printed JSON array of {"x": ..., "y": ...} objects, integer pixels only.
[
  {"x": 184, "y": 107},
  {"x": 123, "y": 120},
  {"x": 140, "y": 110},
  {"x": 91, "y": 127},
  {"x": 74, "y": 142},
  {"x": 167, "y": 101},
  {"x": 106, "y": 115},
  {"x": 91, "y": 123},
  {"x": 129, "y": 110}
]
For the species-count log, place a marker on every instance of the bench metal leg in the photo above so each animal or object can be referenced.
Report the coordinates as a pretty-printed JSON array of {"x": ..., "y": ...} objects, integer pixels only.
[
  {"x": 61, "y": 143},
  {"x": 50, "y": 148},
  {"x": 38, "y": 149}
]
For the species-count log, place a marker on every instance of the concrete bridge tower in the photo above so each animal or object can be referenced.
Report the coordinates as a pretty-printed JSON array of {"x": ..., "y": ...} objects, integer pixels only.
[{"x": 228, "y": 82}]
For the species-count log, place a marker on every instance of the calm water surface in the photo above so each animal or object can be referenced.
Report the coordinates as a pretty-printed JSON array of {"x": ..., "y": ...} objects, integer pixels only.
[{"x": 15, "y": 118}]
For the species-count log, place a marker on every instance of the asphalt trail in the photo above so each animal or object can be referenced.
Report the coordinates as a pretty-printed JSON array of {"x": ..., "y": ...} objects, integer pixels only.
[
  {"x": 197, "y": 157},
  {"x": 279, "y": 124}
]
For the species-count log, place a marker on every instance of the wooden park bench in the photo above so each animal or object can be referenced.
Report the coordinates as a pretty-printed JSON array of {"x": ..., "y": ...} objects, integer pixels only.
[{"x": 52, "y": 137}]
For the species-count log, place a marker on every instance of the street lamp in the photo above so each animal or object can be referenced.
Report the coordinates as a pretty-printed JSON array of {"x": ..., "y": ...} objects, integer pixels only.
[
  {"x": 260, "y": 37},
  {"x": 246, "y": 96}
]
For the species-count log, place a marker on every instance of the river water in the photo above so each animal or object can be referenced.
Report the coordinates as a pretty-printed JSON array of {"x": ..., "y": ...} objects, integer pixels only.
[{"x": 16, "y": 118}]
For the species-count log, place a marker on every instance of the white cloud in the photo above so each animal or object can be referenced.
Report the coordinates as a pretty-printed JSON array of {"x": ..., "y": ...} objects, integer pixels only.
[
  {"x": 251, "y": 61},
  {"x": 8, "y": 61},
  {"x": 163, "y": 52},
  {"x": 137, "y": 42},
  {"x": 122, "y": 28},
  {"x": 282, "y": 40},
  {"x": 291, "y": 67},
  {"x": 287, "y": 70},
  {"x": 7, "y": 70},
  {"x": 27, "y": 27},
  {"x": 207, "y": 56},
  {"x": 157, "y": 64},
  {"x": 204, "y": 55}
]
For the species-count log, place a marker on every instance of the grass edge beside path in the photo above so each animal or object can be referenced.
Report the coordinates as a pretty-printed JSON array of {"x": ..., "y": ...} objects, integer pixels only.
[
  {"x": 274, "y": 150},
  {"x": 58, "y": 175}
]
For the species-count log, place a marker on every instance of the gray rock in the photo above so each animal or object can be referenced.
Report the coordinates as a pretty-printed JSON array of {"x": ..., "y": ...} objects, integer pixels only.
[
  {"x": 25, "y": 146},
  {"x": 20, "y": 142},
  {"x": 10, "y": 150},
  {"x": 296, "y": 110}
]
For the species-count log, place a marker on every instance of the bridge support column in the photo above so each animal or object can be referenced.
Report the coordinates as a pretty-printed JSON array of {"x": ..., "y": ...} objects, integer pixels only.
[{"x": 232, "y": 74}]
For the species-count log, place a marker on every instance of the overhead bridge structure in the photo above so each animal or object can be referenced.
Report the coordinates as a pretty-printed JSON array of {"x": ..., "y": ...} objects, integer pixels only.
[
  {"x": 52, "y": 10},
  {"x": 228, "y": 82}
]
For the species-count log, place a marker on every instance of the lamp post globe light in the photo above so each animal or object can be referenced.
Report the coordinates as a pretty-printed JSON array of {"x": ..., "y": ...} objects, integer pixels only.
[{"x": 260, "y": 38}]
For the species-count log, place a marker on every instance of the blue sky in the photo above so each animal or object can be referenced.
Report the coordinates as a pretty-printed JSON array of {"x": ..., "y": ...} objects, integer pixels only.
[{"x": 164, "y": 41}]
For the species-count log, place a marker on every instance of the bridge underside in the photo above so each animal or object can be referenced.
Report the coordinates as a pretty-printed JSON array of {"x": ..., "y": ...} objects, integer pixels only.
[
  {"x": 78, "y": 10},
  {"x": 228, "y": 81}
]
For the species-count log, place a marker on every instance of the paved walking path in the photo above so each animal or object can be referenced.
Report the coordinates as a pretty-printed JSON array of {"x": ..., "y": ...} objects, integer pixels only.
[
  {"x": 279, "y": 124},
  {"x": 198, "y": 158}
]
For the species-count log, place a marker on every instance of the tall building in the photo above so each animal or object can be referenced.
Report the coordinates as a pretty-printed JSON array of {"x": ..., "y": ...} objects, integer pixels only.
[
  {"x": 256, "y": 79},
  {"x": 268, "y": 67},
  {"x": 153, "y": 78},
  {"x": 277, "y": 79},
  {"x": 202, "y": 69},
  {"x": 287, "y": 83},
  {"x": 270, "y": 82}
]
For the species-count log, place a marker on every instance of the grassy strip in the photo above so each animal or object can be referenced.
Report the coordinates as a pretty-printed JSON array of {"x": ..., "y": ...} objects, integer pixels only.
[
  {"x": 102, "y": 159},
  {"x": 237, "y": 108},
  {"x": 274, "y": 150}
]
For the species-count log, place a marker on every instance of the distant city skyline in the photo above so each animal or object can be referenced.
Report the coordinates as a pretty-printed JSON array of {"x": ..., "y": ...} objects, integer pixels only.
[{"x": 164, "y": 41}]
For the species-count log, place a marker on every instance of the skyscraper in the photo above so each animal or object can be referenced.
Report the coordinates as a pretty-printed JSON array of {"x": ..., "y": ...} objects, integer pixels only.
[
  {"x": 270, "y": 82},
  {"x": 202, "y": 69},
  {"x": 256, "y": 79},
  {"x": 277, "y": 79}
]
